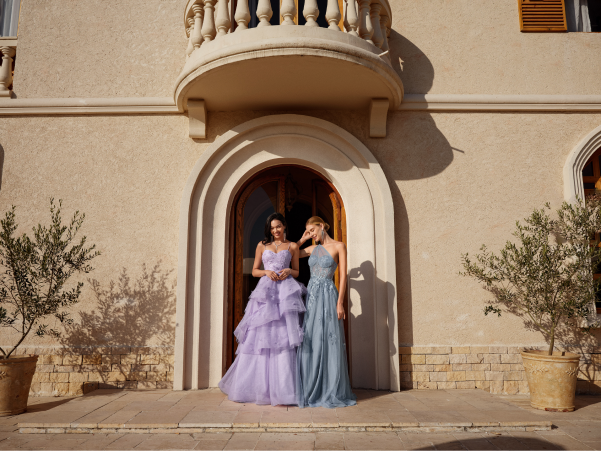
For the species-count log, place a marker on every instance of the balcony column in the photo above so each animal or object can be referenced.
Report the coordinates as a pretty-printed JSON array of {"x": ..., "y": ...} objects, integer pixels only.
[
  {"x": 366, "y": 29},
  {"x": 384, "y": 28},
  {"x": 190, "y": 32},
  {"x": 288, "y": 12},
  {"x": 198, "y": 25},
  {"x": 333, "y": 14},
  {"x": 223, "y": 22},
  {"x": 351, "y": 21},
  {"x": 374, "y": 14},
  {"x": 311, "y": 12},
  {"x": 6, "y": 74},
  {"x": 208, "y": 25},
  {"x": 264, "y": 13},
  {"x": 242, "y": 16}
]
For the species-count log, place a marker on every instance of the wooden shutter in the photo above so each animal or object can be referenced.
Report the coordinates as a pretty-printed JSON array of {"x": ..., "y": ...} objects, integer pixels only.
[{"x": 542, "y": 15}]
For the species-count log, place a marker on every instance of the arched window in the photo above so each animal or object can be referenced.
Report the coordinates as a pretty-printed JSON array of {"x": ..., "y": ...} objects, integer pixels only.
[{"x": 591, "y": 179}]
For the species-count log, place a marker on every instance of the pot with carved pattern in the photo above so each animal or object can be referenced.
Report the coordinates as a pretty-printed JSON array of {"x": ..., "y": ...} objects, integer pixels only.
[
  {"x": 551, "y": 379},
  {"x": 16, "y": 374}
]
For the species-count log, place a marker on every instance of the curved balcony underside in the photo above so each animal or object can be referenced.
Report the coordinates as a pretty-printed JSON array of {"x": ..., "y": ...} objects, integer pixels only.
[{"x": 287, "y": 67}]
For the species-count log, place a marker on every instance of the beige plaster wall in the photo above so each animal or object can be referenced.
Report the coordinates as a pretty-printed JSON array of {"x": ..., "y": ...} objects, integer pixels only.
[
  {"x": 121, "y": 48},
  {"x": 90, "y": 48},
  {"x": 458, "y": 180},
  {"x": 126, "y": 174},
  {"x": 466, "y": 47}
]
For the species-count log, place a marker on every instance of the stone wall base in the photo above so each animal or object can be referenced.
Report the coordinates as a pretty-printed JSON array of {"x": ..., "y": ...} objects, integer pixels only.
[
  {"x": 76, "y": 371},
  {"x": 496, "y": 369}
]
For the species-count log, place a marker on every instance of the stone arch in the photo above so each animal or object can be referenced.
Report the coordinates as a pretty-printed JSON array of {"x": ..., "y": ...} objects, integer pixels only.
[
  {"x": 572, "y": 170},
  {"x": 203, "y": 242}
]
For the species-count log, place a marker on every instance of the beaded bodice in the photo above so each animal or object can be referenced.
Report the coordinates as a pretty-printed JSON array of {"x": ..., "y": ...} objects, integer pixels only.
[
  {"x": 276, "y": 261},
  {"x": 322, "y": 264}
]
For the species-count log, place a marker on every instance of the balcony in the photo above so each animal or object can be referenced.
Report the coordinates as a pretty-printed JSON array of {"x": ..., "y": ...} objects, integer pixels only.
[{"x": 241, "y": 57}]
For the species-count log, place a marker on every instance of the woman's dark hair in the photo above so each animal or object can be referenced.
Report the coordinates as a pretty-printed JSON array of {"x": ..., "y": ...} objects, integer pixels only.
[{"x": 280, "y": 217}]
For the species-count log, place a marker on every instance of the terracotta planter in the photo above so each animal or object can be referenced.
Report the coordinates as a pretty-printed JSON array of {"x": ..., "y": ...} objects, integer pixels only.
[
  {"x": 16, "y": 374},
  {"x": 552, "y": 379}
]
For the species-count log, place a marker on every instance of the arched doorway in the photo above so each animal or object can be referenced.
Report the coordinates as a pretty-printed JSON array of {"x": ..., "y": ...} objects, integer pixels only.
[
  {"x": 298, "y": 193},
  {"x": 220, "y": 172}
]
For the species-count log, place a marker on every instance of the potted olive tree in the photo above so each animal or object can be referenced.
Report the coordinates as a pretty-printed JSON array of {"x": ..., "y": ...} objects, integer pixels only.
[
  {"x": 34, "y": 272},
  {"x": 545, "y": 276}
]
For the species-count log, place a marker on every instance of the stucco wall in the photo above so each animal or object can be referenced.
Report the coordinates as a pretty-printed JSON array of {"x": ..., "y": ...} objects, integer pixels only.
[
  {"x": 121, "y": 48},
  {"x": 466, "y": 47},
  {"x": 111, "y": 48},
  {"x": 458, "y": 181}
]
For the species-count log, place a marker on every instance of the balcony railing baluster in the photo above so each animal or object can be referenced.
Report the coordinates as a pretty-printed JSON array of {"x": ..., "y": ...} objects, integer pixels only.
[
  {"x": 288, "y": 12},
  {"x": 374, "y": 14},
  {"x": 366, "y": 29},
  {"x": 351, "y": 20},
  {"x": 208, "y": 24},
  {"x": 197, "y": 30},
  {"x": 242, "y": 16},
  {"x": 311, "y": 12},
  {"x": 333, "y": 15},
  {"x": 222, "y": 21}
]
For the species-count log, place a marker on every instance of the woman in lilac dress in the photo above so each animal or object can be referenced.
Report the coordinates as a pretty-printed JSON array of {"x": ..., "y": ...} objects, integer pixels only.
[{"x": 264, "y": 371}]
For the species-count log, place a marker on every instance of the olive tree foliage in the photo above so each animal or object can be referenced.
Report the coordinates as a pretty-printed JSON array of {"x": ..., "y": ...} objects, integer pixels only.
[
  {"x": 34, "y": 272},
  {"x": 546, "y": 274}
]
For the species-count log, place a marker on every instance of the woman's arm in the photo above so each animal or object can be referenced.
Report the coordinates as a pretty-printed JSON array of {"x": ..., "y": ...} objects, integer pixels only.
[
  {"x": 342, "y": 290},
  {"x": 257, "y": 272},
  {"x": 307, "y": 251},
  {"x": 293, "y": 271}
]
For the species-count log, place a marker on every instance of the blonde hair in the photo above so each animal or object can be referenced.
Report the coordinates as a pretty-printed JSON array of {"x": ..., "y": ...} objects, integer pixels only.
[{"x": 316, "y": 220}]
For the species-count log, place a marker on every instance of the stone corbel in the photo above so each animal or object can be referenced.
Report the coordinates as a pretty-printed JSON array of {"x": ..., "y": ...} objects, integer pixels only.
[
  {"x": 197, "y": 116},
  {"x": 8, "y": 49},
  {"x": 378, "y": 113}
]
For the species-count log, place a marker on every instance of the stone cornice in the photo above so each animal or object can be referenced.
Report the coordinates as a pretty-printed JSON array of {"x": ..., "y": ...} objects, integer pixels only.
[
  {"x": 82, "y": 106},
  {"x": 411, "y": 102},
  {"x": 493, "y": 102}
]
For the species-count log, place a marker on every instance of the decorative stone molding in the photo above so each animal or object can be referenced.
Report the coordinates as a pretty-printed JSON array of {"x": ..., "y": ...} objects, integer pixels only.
[
  {"x": 501, "y": 102},
  {"x": 203, "y": 239},
  {"x": 378, "y": 114},
  {"x": 197, "y": 115}
]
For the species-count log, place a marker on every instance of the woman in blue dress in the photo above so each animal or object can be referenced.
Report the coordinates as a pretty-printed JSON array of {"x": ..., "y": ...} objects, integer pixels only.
[{"x": 321, "y": 357}]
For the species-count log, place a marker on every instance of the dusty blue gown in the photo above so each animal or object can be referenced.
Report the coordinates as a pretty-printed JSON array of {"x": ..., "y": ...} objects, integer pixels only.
[{"x": 321, "y": 358}]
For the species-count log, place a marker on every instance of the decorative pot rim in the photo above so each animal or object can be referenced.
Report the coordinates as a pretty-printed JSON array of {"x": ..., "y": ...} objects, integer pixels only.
[
  {"x": 542, "y": 355},
  {"x": 16, "y": 359}
]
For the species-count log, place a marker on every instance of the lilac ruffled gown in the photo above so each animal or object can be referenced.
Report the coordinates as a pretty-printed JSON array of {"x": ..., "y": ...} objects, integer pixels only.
[{"x": 264, "y": 371}]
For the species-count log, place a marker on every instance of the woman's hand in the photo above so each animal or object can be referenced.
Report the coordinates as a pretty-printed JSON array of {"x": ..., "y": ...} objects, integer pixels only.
[
  {"x": 306, "y": 236},
  {"x": 284, "y": 273},
  {"x": 272, "y": 275},
  {"x": 340, "y": 311}
]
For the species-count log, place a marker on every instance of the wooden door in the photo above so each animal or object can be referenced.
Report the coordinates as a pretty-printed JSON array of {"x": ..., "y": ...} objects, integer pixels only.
[
  {"x": 239, "y": 290},
  {"x": 320, "y": 198}
]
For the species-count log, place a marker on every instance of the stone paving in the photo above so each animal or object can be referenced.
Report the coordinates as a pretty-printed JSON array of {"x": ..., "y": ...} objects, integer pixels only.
[{"x": 431, "y": 410}]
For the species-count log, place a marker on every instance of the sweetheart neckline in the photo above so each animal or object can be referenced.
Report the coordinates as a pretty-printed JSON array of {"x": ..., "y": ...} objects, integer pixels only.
[{"x": 276, "y": 253}]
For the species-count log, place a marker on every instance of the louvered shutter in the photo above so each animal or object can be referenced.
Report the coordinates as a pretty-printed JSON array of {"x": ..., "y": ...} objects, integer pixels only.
[{"x": 542, "y": 15}]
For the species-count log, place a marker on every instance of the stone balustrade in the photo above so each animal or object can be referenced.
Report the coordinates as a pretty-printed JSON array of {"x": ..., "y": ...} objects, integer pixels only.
[
  {"x": 8, "y": 48},
  {"x": 208, "y": 20}
]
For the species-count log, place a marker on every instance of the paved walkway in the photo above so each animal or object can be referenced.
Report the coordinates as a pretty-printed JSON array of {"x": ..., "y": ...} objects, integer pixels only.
[{"x": 436, "y": 419}]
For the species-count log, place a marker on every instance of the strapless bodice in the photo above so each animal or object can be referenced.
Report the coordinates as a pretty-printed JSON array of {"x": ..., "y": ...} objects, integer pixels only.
[
  {"x": 276, "y": 261},
  {"x": 322, "y": 265}
]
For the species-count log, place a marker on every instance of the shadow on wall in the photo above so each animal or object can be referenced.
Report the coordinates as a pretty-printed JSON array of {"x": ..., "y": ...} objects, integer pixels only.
[
  {"x": 130, "y": 313},
  {"x": 414, "y": 149},
  {"x": 361, "y": 279}
]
